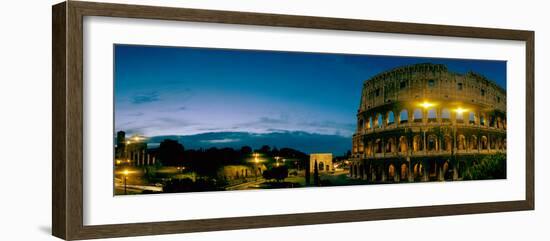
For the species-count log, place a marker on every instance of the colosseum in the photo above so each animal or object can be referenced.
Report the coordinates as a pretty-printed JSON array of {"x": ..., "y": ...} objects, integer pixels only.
[{"x": 425, "y": 123}]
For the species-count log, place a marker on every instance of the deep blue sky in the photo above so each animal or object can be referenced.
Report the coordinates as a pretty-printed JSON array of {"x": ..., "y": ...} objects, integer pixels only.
[{"x": 185, "y": 91}]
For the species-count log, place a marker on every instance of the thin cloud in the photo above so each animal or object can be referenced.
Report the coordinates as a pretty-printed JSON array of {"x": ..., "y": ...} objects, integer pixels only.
[
  {"x": 225, "y": 140},
  {"x": 145, "y": 98}
]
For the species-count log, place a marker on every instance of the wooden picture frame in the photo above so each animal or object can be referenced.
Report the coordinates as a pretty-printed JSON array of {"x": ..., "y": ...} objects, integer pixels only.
[{"x": 67, "y": 152}]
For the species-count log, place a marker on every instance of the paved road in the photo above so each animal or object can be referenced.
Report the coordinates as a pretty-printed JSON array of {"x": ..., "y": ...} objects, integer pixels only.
[
  {"x": 120, "y": 184},
  {"x": 246, "y": 185}
]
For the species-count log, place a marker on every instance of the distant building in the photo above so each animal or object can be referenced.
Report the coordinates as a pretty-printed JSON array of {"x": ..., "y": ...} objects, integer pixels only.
[
  {"x": 323, "y": 160},
  {"x": 132, "y": 150},
  {"x": 233, "y": 172},
  {"x": 120, "y": 145}
]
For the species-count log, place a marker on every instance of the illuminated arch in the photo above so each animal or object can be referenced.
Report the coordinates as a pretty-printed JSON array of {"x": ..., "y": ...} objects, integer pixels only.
[
  {"x": 445, "y": 115},
  {"x": 403, "y": 144},
  {"x": 403, "y": 116},
  {"x": 417, "y": 115},
  {"x": 461, "y": 142},
  {"x": 432, "y": 115},
  {"x": 404, "y": 171},
  {"x": 459, "y": 117},
  {"x": 484, "y": 143},
  {"x": 369, "y": 123},
  {"x": 390, "y": 145},
  {"x": 378, "y": 146},
  {"x": 391, "y": 118},
  {"x": 391, "y": 171},
  {"x": 448, "y": 143},
  {"x": 417, "y": 143},
  {"x": 472, "y": 118},
  {"x": 473, "y": 143},
  {"x": 432, "y": 143}
]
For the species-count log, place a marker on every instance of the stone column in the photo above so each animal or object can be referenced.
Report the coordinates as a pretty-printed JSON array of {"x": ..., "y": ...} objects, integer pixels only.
[
  {"x": 425, "y": 177},
  {"x": 440, "y": 174},
  {"x": 424, "y": 141},
  {"x": 373, "y": 173},
  {"x": 424, "y": 116},
  {"x": 410, "y": 174},
  {"x": 398, "y": 174},
  {"x": 455, "y": 172},
  {"x": 383, "y": 141}
]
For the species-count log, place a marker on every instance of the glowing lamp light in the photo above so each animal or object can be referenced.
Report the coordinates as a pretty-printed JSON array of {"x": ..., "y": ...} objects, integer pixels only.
[
  {"x": 459, "y": 110},
  {"x": 426, "y": 104},
  {"x": 126, "y": 172}
]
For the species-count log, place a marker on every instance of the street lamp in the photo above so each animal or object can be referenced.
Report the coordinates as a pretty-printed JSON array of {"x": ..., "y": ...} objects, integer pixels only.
[
  {"x": 256, "y": 160},
  {"x": 277, "y": 160},
  {"x": 125, "y": 173}
]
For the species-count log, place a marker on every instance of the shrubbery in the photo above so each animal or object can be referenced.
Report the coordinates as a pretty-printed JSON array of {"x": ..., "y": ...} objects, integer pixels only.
[
  {"x": 277, "y": 173},
  {"x": 490, "y": 167}
]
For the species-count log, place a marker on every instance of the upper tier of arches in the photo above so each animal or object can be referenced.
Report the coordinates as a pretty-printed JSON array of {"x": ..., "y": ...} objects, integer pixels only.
[{"x": 430, "y": 116}]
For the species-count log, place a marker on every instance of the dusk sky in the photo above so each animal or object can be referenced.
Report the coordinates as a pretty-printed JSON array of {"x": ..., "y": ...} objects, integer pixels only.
[{"x": 186, "y": 91}]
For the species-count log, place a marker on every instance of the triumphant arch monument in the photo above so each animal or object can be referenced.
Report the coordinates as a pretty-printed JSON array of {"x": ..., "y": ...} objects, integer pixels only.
[{"x": 425, "y": 123}]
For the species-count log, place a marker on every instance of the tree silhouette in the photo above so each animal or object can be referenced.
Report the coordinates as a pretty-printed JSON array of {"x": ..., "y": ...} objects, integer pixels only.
[
  {"x": 265, "y": 149},
  {"x": 277, "y": 173},
  {"x": 170, "y": 152},
  {"x": 316, "y": 181},
  {"x": 307, "y": 167}
]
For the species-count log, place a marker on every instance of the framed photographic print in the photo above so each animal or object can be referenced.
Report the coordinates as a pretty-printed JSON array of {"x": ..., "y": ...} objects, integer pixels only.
[{"x": 170, "y": 120}]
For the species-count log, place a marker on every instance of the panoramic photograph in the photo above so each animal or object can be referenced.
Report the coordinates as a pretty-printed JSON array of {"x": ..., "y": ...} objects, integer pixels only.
[{"x": 190, "y": 119}]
